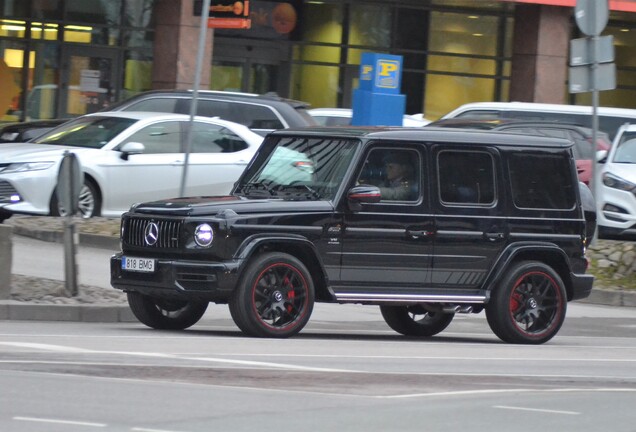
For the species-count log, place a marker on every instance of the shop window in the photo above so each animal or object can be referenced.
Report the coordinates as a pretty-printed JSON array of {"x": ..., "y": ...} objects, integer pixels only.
[
  {"x": 316, "y": 84},
  {"x": 14, "y": 8},
  {"x": 95, "y": 11}
]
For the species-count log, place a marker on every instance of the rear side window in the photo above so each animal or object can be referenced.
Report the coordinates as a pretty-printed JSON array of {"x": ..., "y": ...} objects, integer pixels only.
[
  {"x": 466, "y": 178},
  {"x": 541, "y": 181}
]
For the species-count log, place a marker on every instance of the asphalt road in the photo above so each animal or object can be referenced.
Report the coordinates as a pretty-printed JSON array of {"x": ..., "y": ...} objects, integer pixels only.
[{"x": 346, "y": 371}]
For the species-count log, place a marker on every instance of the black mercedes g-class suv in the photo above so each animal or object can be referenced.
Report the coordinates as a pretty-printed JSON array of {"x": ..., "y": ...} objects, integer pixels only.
[{"x": 425, "y": 223}]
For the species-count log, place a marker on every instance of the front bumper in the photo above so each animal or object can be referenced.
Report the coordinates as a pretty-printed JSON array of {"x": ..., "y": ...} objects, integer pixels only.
[{"x": 211, "y": 281}]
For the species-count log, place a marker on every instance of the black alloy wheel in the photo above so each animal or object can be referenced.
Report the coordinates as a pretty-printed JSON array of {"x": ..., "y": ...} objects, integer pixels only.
[
  {"x": 165, "y": 314},
  {"x": 274, "y": 298},
  {"x": 529, "y": 305},
  {"x": 415, "y": 320}
]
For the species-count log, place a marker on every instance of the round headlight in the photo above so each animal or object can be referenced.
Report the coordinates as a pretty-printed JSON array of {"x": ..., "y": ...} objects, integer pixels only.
[{"x": 203, "y": 235}]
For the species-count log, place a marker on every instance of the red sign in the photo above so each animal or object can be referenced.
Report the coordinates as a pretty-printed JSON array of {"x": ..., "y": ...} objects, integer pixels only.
[{"x": 616, "y": 5}]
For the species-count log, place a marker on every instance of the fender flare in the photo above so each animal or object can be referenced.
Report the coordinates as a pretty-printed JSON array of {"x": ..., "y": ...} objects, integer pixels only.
[{"x": 513, "y": 251}]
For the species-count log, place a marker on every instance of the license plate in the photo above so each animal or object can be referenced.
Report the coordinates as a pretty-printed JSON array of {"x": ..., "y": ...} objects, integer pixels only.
[{"x": 138, "y": 264}]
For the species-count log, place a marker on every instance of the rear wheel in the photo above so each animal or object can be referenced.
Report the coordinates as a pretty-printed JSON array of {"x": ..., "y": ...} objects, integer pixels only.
[
  {"x": 165, "y": 314},
  {"x": 529, "y": 304},
  {"x": 415, "y": 320},
  {"x": 274, "y": 298}
]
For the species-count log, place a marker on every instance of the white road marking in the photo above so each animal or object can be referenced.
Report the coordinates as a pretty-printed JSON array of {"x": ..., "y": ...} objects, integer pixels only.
[
  {"x": 58, "y": 421},
  {"x": 536, "y": 410},
  {"x": 138, "y": 429}
]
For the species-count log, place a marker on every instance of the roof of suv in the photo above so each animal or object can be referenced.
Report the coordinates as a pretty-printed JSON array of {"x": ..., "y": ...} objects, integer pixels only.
[
  {"x": 293, "y": 111},
  {"x": 438, "y": 134}
]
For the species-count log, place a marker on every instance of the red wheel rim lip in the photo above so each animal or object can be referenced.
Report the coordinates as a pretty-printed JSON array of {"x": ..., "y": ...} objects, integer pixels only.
[
  {"x": 557, "y": 309},
  {"x": 302, "y": 309}
]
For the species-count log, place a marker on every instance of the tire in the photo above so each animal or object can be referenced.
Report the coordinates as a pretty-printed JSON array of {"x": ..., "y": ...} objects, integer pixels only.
[
  {"x": 165, "y": 314},
  {"x": 415, "y": 320},
  {"x": 274, "y": 298},
  {"x": 89, "y": 202},
  {"x": 528, "y": 306}
]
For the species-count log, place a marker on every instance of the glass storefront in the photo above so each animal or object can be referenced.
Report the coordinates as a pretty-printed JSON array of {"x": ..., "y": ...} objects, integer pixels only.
[{"x": 63, "y": 58}]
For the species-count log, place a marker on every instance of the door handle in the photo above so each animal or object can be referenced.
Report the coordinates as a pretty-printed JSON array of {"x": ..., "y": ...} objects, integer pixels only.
[
  {"x": 494, "y": 236},
  {"x": 418, "y": 233}
]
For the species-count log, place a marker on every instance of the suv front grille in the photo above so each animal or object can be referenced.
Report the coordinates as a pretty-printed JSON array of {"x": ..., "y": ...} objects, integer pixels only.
[{"x": 137, "y": 232}]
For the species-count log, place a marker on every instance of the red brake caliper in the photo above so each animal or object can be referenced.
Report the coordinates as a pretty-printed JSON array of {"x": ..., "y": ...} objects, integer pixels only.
[{"x": 291, "y": 294}]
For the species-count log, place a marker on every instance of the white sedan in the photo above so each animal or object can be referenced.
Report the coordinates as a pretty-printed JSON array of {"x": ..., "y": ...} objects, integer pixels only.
[{"x": 126, "y": 157}]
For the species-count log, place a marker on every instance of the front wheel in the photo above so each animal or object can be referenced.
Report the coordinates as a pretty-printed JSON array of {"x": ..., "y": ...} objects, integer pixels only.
[
  {"x": 415, "y": 320},
  {"x": 165, "y": 314},
  {"x": 88, "y": 204},
  {"x": 274, "y": 298},
  {"x": 529, "y": 304}
]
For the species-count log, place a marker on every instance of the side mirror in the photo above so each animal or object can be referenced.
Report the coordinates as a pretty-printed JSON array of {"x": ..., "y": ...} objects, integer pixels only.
[
  {"x": 363, "y": 194},
  {"x": 601, "y": 156},
  {"x": 131, "y": 148}
]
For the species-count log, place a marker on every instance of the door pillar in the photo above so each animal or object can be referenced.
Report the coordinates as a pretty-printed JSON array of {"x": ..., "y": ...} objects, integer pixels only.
[
  {"x": 540, "y": 53},
  {"x": 176, "y": 44}
]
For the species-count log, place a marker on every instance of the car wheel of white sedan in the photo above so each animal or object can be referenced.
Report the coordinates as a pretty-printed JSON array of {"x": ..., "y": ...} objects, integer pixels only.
[{"x": 89, "y": 202}]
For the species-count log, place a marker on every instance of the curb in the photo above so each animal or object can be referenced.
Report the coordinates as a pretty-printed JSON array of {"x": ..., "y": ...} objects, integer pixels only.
[
  {"x": 85, "y": 239},
  {"x": 15, "y": 310}
]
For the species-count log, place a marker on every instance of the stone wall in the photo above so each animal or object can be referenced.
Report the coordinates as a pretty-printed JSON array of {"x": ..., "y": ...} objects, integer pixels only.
[{"x": 614, "y": 260}]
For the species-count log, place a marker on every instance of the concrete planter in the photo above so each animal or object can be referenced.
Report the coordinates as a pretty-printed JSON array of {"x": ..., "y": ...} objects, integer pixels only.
[{"x": 6, "y": 258}]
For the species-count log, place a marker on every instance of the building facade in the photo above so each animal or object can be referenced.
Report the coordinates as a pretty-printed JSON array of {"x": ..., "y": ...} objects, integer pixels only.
[{"x": 63, "y": 58}]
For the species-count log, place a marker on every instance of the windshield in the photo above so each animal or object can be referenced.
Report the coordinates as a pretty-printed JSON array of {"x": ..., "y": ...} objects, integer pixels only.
[
  {"x": 298, "y": 168},
  {"x": 90, "y": 132},
  {"x": 626, "y": 150}
]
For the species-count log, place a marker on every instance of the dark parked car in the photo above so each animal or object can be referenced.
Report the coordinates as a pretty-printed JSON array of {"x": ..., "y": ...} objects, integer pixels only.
[
  {"x": 25, "y": 131},
  {"x": 583, "y": 149},
  {"x": 261, "y": 113},
  {"x": 477, "y": 225}
]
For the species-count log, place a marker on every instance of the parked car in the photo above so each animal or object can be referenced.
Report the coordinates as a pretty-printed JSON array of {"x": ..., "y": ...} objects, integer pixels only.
[
  {"x": 261, "y": 113},
  {"x": 582, "y": 137},
  {"x": 481, "y": 227},
  {"x": 25, "y": 131},
  {"x": 342, "y": 117},
  {"x": 126, "y": 157},
  {"x": 617, "y": 188},
  {"x": 609, "y": 119}
]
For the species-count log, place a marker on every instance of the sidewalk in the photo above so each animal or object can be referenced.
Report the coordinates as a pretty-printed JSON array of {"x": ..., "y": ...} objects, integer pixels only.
[
  {"x": 45, "y": 299},
  {"x": 103, "y": 305}
]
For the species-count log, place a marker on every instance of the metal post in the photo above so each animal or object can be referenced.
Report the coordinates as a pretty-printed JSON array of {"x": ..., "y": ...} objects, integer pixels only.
[
  {"x": 595, "y": 103},
  {"x": 70, "y": 263},
  {"x": 205, "y": 13}
]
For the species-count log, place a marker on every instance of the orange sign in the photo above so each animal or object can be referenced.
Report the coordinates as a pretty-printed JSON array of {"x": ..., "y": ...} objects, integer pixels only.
[{"x": 229, "y": 23}]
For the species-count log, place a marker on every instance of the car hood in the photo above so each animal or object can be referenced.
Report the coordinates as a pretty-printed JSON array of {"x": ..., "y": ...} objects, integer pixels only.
[
  {"x": 27, "y": 152},
  {"x": 623, "y": 170},
  {"x": 219, "y": 205}
]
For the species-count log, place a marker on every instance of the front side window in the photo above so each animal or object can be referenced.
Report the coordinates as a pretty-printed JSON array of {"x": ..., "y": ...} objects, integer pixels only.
[
  {"x": 298, "y": 168},
  {"x": 395, "y": 172},
  {"x": 541, "y": 181},
  {"x": 466, "y": 178}
]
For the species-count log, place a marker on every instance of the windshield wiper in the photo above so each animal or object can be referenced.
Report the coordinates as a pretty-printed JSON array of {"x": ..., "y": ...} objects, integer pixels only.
[
  {"x": 301, "y": 191},
  {"x": 258, "y": 188}
]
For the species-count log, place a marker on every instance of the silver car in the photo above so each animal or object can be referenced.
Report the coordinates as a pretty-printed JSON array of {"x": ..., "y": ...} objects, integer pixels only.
[{"x": 126, "y": 157}]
